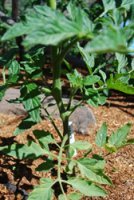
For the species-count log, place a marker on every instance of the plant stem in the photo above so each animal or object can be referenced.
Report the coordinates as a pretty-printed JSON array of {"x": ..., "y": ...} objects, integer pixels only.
[{"x": 59, "y": 165}]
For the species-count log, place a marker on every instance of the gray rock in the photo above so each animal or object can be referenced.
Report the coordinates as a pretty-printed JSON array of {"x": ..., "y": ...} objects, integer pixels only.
[
  {"x": 11, "y": 108},
  {"x": 82, "y": 118}
]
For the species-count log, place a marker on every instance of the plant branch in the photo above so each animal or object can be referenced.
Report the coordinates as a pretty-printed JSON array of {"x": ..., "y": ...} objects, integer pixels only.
[
  {"x": 53, "y": 123},
  {"x": 59, "y": 164}
]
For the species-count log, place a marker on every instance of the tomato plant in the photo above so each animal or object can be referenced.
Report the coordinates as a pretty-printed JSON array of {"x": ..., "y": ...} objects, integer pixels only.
[{"x": 50, "y": 33}]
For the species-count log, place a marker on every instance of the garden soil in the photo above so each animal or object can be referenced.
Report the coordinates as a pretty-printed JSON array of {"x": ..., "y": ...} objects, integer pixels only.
[{"x": 17, "y": 178}]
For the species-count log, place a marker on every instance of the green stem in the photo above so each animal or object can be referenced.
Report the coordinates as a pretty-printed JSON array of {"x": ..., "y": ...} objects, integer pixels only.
[
  {"x": 4, "y": 75},
  {"x": 59, "y": 165},
  {"x": 53, "y": 123}
]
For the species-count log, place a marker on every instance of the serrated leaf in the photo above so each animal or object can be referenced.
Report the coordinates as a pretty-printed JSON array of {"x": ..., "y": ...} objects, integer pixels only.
[
  {"x": 117, "y": 84},
  {"x": 118, "y": 138},
  {"x": 81, "y": 145},
  {"x": 43, "y": 191},
  {"x": 22, "y": 151},
  {"x": 109, "y": 40},
  {"x": 86, "y": 187},
  {"x": 75, "y": 79},
  {"x": 90, "y": 171},
  {"x": 54, "y": 31},
  {"x": 101, "y": 136}
]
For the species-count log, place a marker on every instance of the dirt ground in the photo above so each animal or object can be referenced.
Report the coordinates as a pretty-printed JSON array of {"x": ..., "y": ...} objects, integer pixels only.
[{"x": 119, "y": 166}]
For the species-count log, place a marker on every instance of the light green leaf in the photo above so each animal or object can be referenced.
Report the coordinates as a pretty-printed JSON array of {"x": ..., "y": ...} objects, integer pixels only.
[
  {"x": 71, "y": 196},
  {"x": 22, "y": 151},
  {"x": 90, "y": 171},
  {"x": 43, "y": 191},
  {"x": 122, "y": 61},
  {"x": 90, "y": 80},
  {"x": 101, "y": 135},
  {"x": 81, "y": 145},
  {"x": 108, "y": 5},
  {"x": 118, "y": 138},
  {"x": 111, "y": 39},
  {"x": 127, "y": 3},
  {"x": 86, "y": 187}
]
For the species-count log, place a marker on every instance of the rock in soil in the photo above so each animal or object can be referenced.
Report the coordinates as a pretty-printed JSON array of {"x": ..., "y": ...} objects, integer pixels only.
[{"x": 82, "y": 118}]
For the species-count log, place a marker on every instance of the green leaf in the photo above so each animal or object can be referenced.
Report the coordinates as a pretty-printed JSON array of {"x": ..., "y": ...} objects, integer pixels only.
[
  {"x": 118, "y": 138},
  {"x": 90, "y": 80},
  {"x": 81, "y": 145},
  {"x": 43, "y": 191},
  {"x": 45, "y": 166},
  {"x": 111, "y": 39},
  {"x": 122, "y": 61},
  {"x": 108, "y": 5},
  {"x": 127, "y": 3},
  {"x": 44, "y": 137},
  {"x": 31, "y": 100},
  {"x": 14, "y": 68},
  {"x": 75, "y": 79},
  {"x": 54, "y": 31},
  {"x": 71, "y": 196},
  {"x": 24, "y": 125},
  {"x": 90, "y": 171},
  {"x": 86, "y": 187},
  {"x": 101, "y": 136},
  {"x": 22, "y": 151},
  {"x": 87, "y": 57},
  {"x": 117, "y": 84}
]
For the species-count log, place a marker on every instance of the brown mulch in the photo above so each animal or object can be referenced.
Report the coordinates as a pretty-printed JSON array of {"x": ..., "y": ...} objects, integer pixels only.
[{"x": 119, "y": 166}]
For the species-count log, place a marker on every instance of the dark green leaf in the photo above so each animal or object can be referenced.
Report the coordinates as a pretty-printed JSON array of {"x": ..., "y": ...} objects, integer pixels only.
[
  {"x": 45, "y": 166},
  {"x": 31, "y": 100}
]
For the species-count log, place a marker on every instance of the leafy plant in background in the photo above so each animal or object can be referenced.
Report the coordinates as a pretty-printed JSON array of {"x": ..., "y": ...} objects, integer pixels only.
[{"x": 48, "y": 32}]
